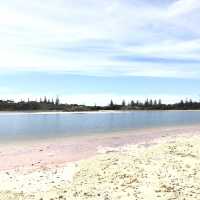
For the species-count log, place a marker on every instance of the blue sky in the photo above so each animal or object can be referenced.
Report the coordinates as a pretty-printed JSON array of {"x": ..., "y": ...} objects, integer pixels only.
[
  {"x": 89, "y": 51},
  {"x": 96, "y": 89}
]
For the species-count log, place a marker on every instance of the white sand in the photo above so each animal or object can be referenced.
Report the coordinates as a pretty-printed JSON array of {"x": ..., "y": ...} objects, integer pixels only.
[
  {"x": 165, "y": 171},
  {"x": 35, "y": 183}
]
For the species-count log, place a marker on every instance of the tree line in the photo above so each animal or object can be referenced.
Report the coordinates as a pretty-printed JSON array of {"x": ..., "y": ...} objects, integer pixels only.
[
  {"x": 150, "y": 104},
  {"x": 46, "y": 104}
]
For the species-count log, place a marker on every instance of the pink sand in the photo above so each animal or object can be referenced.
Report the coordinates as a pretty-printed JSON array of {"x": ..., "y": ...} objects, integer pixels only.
[{"x": 60, "y": 151}]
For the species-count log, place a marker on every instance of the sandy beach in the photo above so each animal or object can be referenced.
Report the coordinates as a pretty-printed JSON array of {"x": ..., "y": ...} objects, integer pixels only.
[{"x": 161, "y": 163}]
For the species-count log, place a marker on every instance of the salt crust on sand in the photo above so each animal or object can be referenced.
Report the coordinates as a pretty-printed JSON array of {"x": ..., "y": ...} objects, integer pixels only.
[{"x": 169, "y": 169}]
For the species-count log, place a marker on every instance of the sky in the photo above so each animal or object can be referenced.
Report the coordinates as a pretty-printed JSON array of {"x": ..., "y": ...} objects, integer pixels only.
[{"x": 90, "y": 51}]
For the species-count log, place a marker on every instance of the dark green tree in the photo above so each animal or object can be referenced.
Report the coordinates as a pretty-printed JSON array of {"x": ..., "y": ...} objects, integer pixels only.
[
  {"x": 57, "y": 101},
  {"x": 111, "y": 103},
  {"x": 45, "y": 99},
  {"x": 151, "y": 102},
  {"x": 132, "y": 103},
  {"x": 123, "y": 103},
  {"x": 146, "y": 104}
]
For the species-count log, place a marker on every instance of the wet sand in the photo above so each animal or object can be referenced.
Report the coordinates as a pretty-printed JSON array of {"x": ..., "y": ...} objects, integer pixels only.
[
  {"x": 59, "y": 151},
  {"x": 161, "y": 163}
]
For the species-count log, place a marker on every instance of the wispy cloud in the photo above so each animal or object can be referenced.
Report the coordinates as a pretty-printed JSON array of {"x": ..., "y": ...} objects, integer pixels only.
[{"x": 129, "y": 37}]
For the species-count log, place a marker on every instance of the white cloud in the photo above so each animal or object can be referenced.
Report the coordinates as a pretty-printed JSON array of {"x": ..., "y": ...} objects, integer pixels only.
[
  {"x": 86, "y": 36},
  {"x": 182, "y": 7}
]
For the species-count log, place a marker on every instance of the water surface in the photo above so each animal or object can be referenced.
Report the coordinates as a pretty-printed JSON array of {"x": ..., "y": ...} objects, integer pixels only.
[{"x": 22, "y": 126}]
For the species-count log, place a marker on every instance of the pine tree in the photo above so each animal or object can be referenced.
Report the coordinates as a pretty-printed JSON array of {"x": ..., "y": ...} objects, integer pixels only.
[
  {"x": 123, "y": 103},
  {"x": 57, "y": 100},
  {"x": 182, "y": 102},
  {"x": 132, "y": 103},
  {"x": 151, "y": 102},
  {"x": 146, "y": 103},
  {"x": 111, "y": 103},
  {"x": 45, "y": 99}
]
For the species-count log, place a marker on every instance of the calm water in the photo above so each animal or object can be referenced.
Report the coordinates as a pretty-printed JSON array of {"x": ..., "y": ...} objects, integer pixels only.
[{"x": 36, "y": 126}]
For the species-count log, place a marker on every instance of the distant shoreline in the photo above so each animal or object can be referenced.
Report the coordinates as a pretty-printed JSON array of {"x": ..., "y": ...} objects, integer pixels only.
[
  {"x": 99, "y": 111},
  {"x": 51, "y": 106}
]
